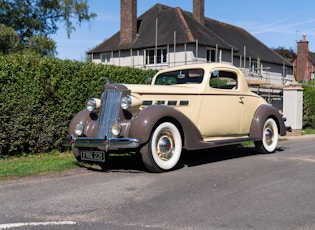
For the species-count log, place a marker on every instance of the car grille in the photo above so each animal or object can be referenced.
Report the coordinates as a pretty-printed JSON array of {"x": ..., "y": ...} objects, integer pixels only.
[{"x": 110, "y": 106}]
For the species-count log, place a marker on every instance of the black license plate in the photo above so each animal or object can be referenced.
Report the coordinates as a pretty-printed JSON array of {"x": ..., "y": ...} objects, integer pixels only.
[{"x": 93, "y": 156}]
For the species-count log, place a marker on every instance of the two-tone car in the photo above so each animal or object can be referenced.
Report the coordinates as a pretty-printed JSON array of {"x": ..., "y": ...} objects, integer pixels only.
[{"x": 187, "y": 107}]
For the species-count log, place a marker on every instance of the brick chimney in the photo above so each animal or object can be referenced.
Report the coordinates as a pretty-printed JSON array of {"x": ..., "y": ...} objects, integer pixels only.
[
  {"x": 199, "y": 11},
  {"x": 128, "y": 21},
  {"x": 301, "y": 59}
]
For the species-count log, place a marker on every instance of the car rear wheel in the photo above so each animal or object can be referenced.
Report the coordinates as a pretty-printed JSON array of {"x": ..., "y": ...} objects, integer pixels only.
[
  {"x": 164, "y": 148},
  {"x": 269, "y": 141}
]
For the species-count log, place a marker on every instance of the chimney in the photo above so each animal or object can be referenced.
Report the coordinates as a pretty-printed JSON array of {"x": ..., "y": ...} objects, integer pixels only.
[
  {"x": 128, "y": 21},
  {"x": 302, "y": 59},
  {"x": 199, "y": 11}
]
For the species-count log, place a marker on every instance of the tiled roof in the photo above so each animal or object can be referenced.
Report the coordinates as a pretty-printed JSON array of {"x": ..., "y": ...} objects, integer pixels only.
[
  {"x": 188, "y": 30},
  {"x": 311, "y": 57}
]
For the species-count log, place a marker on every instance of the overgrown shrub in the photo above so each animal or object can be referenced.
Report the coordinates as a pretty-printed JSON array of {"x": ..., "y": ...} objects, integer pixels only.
[
  {"x": 39, "y": 97},
  {"x": 309, "y": 106}
]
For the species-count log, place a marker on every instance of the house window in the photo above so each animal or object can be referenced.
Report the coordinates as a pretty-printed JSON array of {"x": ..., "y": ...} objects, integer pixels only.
[
  {"x": 210, "y": 55},
  {"x": 284, "y": 71},
  {"x": 150, "y": 57},
  {"x": 161, "y": 56},
  {"x": 105, "y": 58},
  {"x": 253, "y": 67}
]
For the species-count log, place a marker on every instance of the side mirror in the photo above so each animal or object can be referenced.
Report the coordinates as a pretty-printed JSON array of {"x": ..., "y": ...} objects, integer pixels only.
[{"x": 149, "y": 80}]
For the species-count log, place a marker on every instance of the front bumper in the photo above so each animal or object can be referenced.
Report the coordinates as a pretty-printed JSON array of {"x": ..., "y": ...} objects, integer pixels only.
[{"x": 106, "y": 144}]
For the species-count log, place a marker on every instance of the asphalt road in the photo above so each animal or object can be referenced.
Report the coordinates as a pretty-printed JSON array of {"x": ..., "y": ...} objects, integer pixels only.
[{"x": 225, "y": 188}]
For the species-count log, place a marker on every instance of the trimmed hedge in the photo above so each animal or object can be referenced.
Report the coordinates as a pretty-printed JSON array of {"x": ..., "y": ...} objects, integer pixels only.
[
  {"x": 39, "y": 97},
  {"x": 309, "y": 106}
]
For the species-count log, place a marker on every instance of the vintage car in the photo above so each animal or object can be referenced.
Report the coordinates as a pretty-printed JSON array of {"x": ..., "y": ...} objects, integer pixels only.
[{"x": 188, "y": 107}]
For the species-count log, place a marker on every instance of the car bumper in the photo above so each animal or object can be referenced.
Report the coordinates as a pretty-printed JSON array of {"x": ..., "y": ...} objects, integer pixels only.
[{"x": 104, "y": 144}]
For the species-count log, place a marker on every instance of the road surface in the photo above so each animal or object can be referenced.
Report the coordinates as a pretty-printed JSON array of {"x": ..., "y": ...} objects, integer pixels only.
[{"x": 224, "y": 188}]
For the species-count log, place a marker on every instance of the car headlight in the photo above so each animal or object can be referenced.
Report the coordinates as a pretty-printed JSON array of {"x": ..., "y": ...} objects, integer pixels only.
[
  {"x": 125, "y": 102},
  {"x": 93, "y": 104},
  {"x": 79, "y": 129},
  {"x": 116, "y": 128}
]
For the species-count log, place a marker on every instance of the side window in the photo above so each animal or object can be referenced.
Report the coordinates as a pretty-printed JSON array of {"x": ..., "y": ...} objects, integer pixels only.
[{"x": 223, "y": 80}]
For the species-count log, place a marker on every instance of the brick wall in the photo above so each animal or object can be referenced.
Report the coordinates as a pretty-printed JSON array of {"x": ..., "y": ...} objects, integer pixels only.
[
  {"x": 128, "y": 21},
  {"x": 199, "y": 11},
  {"x": 302, "y": 60}
]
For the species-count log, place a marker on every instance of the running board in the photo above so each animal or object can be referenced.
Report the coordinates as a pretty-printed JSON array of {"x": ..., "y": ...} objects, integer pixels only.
[
  {"x": 233, "y": 141},
  {"x": 217, "y": 143}
]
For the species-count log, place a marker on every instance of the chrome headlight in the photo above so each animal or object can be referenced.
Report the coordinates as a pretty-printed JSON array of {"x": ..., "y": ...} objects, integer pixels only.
[
  {"x": 116, "y": 128},
  {"x": 93, "y": 104},
  {"x": 79, "y": 129},
  {"x": 125, "y": 102}
]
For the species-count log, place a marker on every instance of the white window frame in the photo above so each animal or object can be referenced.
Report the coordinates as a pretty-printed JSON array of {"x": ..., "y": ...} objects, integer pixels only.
[
  {"x": 105, "y": 58},
  {"x": 210, "y": 55},
  {"x": 153, "y": 58}
]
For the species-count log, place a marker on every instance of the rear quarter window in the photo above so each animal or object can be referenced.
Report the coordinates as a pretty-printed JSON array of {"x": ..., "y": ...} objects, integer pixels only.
[{"x": 224, "y": 80}]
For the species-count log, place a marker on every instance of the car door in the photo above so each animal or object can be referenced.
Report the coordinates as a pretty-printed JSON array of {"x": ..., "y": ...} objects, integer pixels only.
[{"x": 222, "y": 106}]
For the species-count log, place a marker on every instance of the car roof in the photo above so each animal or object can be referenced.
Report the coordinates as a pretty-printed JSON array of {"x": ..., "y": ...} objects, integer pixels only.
[{"x": 207, "y": 66}]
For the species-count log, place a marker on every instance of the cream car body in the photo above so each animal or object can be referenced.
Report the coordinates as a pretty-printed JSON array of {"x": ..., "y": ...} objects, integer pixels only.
[{"x": 191, "y": 107}]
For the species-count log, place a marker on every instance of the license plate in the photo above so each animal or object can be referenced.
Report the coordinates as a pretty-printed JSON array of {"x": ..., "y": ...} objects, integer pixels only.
[{"x": 93, "y": 156}]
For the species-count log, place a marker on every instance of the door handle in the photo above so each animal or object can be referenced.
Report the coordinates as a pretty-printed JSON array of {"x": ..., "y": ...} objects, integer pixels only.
[{"x": 241, "y": 100}]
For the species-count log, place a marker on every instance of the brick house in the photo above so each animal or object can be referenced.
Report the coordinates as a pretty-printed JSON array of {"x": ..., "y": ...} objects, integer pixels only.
[
  {"x": 304, "y": 62},
  {"x": 165, "y": 36}
]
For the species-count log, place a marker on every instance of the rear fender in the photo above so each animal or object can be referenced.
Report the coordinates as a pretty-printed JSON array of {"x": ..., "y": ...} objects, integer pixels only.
[{"x": 261, "y": 115}]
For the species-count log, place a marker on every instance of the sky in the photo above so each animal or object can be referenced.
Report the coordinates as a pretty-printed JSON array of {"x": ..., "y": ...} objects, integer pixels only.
[{"x": 276, "y": 23}]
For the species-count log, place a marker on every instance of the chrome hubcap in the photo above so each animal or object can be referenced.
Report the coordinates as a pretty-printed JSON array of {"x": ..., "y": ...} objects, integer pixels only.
[
  {"x": 269, "y": 135},
  {"x": 165, "y": 146}
]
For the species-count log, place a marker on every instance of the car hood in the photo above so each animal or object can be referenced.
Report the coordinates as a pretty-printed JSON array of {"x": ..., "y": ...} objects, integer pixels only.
[{"x": 163, "y": 89}]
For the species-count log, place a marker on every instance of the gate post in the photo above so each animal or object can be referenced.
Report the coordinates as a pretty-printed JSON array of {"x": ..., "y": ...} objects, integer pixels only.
[{"x": 293, "y": 108}]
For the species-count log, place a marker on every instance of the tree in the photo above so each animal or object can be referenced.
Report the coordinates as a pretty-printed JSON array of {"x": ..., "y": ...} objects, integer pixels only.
[
  {"x": 36, "y": 19},
  {"x": 38, "y": 44},
  {"x": 29, "y": 17},
  {"x": 41, "y": 45},
  {"x": 9, "y": 40},
  {"x": 287, "y": 54}
]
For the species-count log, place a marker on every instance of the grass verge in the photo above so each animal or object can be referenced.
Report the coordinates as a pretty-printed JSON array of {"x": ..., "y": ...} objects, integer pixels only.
[
  {"x": 36, "y": 164},
  {"x": 308, "y": 131}
]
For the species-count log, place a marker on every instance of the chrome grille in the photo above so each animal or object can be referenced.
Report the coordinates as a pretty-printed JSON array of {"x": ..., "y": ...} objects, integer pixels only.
[{"x": 110, "y": 106}]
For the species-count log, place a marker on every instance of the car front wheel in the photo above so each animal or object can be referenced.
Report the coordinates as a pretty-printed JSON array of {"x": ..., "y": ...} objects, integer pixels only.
[
  {"x": 164, "y": 148},
  {"x": 269, "y": 141}
]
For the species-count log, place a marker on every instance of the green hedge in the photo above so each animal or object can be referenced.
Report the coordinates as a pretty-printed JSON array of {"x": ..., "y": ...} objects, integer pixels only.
[
  {"x": 39, "y": 97},
  {"x": 309, "y": 106}
]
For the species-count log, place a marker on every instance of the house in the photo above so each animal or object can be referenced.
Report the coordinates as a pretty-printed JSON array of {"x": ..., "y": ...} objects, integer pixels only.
[
  {"x": 165, "y": 36},
  {"x": 304, "y": 62}
]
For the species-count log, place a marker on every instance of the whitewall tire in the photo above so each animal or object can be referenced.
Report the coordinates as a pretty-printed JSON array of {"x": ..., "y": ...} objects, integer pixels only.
[
  {"x": 164, "y": 148},
  {"x": 270, "y": 137}
]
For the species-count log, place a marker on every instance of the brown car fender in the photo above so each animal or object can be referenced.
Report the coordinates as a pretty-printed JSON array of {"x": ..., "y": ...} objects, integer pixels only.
[
  {"x": 89, "y": 122},
  {"x": 143, "y": 124},
  {"x": 261, "y": 115}
]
